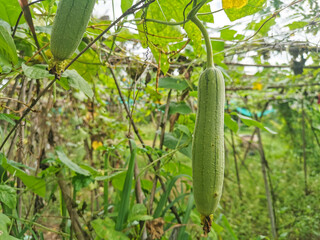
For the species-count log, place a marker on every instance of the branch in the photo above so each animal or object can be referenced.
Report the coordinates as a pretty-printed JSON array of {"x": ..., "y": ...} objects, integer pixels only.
[
  {"x": 267, "y": 66},
  {"x": 275, "y": 14},
  {"x": 234, "y": 89}
]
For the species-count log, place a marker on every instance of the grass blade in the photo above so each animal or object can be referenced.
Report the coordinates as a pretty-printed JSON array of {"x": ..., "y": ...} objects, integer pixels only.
[{"x": 125, "y": 196}]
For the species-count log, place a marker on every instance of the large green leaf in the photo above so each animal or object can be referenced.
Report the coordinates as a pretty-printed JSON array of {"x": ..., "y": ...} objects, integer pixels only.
[
  {"x": 297, "y": 25},
  {"x": 251, "y": 122},
  {"x": 88, "y": 64},
  {"x": 8, "y": 196},
  {"x": 160, "y": 35},
  {"x": 180, "y": 107},
  {"x": 138, "y": 212},
  {"x": 208, "y": 17},
  {"x": 7, "y": 118},
  {"x": 104, "y": 229},
  {"x": 179, "y": 139},
  {"x": 37, "y": 71},
  {"x": 77, "y": 82},
  {"x": 252, "y": 7},
  {"x": 125, "y": 4},
  {"x": 4, "y": 224},
  {"x": 35, "y": 184},
  {"x": 7, "y": 47},
  {"x": 9, "y": 11},
  {"x": 230, "y": 123},
  {"x": 73, "y": 166},
  {"x": 173, "y": 83}
]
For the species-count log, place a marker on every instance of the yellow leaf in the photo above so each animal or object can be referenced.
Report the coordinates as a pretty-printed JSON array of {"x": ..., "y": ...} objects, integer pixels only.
[
  {"x": 226, "y": 4},
  {"x": 257, "y": 86},
  {"x": 96, "y": 144}
]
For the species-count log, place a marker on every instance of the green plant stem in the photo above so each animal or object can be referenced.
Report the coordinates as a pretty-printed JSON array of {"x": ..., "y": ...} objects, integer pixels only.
[
  {"x": 205, "y": 34},
  {"x": 161, "y": 22},
  {"x": 196, "y": 8},
  {"x": 106, "y": 183},
  {"x": 41, "y": 226}
]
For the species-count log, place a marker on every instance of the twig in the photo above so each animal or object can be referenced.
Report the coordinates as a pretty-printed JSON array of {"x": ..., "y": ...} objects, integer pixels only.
[
  {"x": 8, "y": 98},
  {"x": 41, "y": 226},
  {"x": 37, "y": 53},
  {"x": 273, "y": 16},
  {"x": 236, "y": 164}
]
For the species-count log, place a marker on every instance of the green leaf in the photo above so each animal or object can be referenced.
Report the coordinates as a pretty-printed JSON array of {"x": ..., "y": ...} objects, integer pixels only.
[
  {"x": 6, "y": 236},
  {"x": 263, "y": 26},
  {"x": 165, "y": 195},
  {"x": 35, "y": 184},
  {"x": 230, "y": 123},
  {"x": 4, "y": 222},
  {"x": 7, "y": 46},
  {"x": 181, "y": 107},
  {"x": 88, "y": 64},
  {"x": 126, "y": 192},
  {"x": 37, "y": 71},
  {"x": 173, "y": 83},
  {"x": 296, "y": 25},
  {"x": 5, "y": 65},
  {"x": 160, "y": 35},
  {"x": 125, "y": 5},
  {"x": 118, "y": 179},
  {"x": 80, "y": 181},
  {"x": 77, "y": 82},
  {"x": 73, "y": 166},
  {"x": 217, "y": 228},
  {"x": 138, "y": 212},
  {"x": 252, "y": 7},
  {"x": 208, "y": 17},
  {"x": 104, "y": 229},
  {"x": 186, "y": 217},
  {"x": 177, "y": 139},
  {"x": 8, "y": 196},
  {"x": 218, "y": 54},
  {"x": 228, "y": 34},
  {"x": 10, "y": 11},
  {"x": 7, "y": 118},
  {"x": 251, "y": 122},
  {"x": 228, "y": 227}
]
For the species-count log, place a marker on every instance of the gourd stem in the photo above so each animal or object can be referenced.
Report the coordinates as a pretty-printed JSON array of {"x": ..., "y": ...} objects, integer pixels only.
[
  {"x": 205, "y": 34},
  {"x": 167, "y": 23}
]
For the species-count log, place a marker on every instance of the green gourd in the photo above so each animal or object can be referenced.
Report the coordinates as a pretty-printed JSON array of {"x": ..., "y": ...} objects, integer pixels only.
[
  {"x": 69, "y": 25},
  {"x": 208, "y": 138},
  {"x": 208, "y": 142}
]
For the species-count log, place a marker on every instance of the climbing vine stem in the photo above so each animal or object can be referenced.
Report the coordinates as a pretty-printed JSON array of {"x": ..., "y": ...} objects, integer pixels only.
[{"x": 205, "y": 34}]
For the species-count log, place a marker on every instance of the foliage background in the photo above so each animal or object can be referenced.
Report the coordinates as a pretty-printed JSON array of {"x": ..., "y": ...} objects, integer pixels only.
[{"x": 77, "y": 160}]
